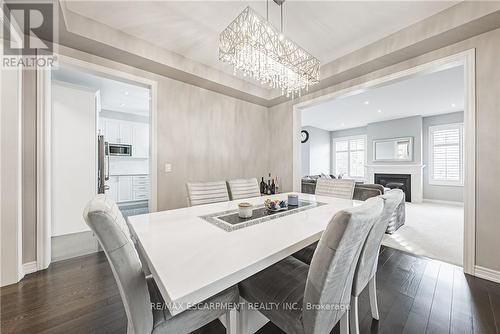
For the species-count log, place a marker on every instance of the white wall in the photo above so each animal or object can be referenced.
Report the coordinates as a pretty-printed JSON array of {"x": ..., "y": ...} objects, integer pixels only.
[
  {"x": 316, "y": 156},
  {"x": 418, "y": 128},
  {"x": 349, "y": 132},
  {"x": 402, "y": 127},
  {"x": 435, "y": 192}
]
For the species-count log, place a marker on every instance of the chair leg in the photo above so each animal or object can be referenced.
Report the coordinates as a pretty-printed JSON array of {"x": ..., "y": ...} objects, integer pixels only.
[
  {"x": 372, "y": 287},
  {"x": 130, "y": 328},
  {"x": 243, "y": 319},
  {"x": 354, "y": 316},
  {"x": 232, "y": 321},
  {"x": 344, "y": 323}
]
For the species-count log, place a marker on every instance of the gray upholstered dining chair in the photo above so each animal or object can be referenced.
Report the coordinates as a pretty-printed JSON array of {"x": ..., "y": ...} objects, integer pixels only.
[
  {"x": 399, "y": 216},
  {"x": 366, "y": 269},
  {"x": 206, "y": 192},
  {"x": 320, "y": 292},
  {"x": 341, "y": 188},
  {"x": 145, "y": 308},
  {"x": 243, "y": 188}
]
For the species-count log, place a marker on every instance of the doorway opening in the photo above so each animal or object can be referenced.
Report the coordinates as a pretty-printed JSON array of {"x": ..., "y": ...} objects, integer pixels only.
[
  {"x": 96, "y": 136},
  {"x": 413, "y": 130}
]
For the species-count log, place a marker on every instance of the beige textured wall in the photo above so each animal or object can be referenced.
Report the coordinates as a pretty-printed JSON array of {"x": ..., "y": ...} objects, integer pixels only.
[
  {"x": 206, "y": 136},
  {"x": 487, "y": 139}
]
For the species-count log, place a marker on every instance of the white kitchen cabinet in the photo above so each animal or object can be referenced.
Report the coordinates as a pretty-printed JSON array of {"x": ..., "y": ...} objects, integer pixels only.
[
  {"x": 140, "y": 188},
  {"x": 113, "y": 188},
  {"x": 125, "y": 188},
  {"x": 112, "y": 132},
  {"x": 125, "y": 133},
  {"x": 140, "y": 143}
]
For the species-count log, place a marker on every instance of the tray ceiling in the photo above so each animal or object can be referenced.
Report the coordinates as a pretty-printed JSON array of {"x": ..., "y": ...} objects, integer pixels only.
[{"x": 327, "y": 29}]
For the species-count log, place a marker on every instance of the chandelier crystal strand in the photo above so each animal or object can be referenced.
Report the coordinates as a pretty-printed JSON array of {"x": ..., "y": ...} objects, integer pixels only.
[{"x": 257, "y": 49}]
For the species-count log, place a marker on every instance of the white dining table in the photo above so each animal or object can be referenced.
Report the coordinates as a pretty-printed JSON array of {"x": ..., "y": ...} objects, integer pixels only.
[{"x": 192, "y": 259}]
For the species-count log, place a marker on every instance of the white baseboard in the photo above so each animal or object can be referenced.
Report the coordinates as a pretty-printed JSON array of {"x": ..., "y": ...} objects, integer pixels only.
[
  {"x": 68, "y": 246},
  {"x": 437, "y": 201},
  {"x": 29, "y": 267},
  {"x": 488, "y": 274}
]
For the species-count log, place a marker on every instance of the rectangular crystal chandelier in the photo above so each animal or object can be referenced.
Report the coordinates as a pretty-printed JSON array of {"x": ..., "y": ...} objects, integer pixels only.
[{"x": 256, "y": 48}]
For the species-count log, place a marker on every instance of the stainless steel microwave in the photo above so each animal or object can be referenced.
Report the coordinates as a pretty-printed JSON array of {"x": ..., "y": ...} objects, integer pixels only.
[{"x": 120, "y": 150}]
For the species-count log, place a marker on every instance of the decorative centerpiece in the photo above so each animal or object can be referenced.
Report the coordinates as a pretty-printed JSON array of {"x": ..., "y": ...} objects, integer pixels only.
[
  {"x": 293, "y": 200},
  {"x": 245, "y": 210},
  {"x": 275, "y": 205}
]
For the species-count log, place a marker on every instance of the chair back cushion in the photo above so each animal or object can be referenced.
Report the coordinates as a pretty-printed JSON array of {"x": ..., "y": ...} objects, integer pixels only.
[
  {"x": 367, "y": 263},
  {"x": 341, "y": 188},
  {"x": 106, "y": 221},
  {"x": 207, "y": 192},
  {"x": 364, "y": 191},
  {"x": 398, "y": 218},
  {"x": 243, "y": 188},
  {"x": 329, "y": 281}
]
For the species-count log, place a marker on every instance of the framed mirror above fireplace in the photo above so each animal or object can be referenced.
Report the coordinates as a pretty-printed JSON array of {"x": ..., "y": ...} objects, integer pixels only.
[{"x": 393, "y": 149}]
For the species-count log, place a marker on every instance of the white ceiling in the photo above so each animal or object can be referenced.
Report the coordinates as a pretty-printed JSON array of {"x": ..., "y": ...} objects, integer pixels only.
[
  {"x": 431, "y": 94},
  {"x": 327, "y": 29},
  {"x": 115, "y": 95}
]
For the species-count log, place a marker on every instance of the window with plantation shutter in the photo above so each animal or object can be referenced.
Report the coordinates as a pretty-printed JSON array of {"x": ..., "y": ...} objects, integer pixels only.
[
  {"x": 349, "y": 157},
  {"x": 446, "y": 154}
]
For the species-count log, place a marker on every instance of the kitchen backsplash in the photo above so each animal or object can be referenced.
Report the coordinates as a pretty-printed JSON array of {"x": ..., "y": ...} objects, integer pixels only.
[{"x": 121, "y": 166}]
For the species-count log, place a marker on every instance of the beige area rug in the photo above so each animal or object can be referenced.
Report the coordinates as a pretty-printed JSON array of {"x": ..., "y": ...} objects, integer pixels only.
[{"x": 432, "y": 230}]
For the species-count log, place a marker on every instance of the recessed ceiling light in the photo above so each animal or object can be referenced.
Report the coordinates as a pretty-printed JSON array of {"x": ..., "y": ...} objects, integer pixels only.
[
  {"x": 453, "y": 105},
  {"x": 343, "y": 124},
  {"x": 366, "y": 102},
  {"x": 122, "y": 105},
  {"x": 126, "y": 93},
  {"x": 379, "y": 111}
]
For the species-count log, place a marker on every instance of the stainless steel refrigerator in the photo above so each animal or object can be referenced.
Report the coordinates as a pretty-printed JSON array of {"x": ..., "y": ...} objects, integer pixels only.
[{"x": 102, "y": 165}]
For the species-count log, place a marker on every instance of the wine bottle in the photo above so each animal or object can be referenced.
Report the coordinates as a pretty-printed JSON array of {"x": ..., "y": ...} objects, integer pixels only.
[
  {"x": 269, "y": 187},
  {"x": 277, "y": 188},
  {"x": 273, "y": 187},
  {"x": 262, "y": 186}
]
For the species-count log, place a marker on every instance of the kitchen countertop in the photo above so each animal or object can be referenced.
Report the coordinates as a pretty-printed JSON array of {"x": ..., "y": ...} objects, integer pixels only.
[{"x": 129, "y": 174}]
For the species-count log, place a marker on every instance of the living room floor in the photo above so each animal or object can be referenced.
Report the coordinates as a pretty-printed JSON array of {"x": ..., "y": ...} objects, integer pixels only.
[{"x": 432, "y": 230}]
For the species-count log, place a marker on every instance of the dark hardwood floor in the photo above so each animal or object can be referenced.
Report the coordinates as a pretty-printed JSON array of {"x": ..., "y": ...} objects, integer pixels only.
[{"x": 416, "y": 295}]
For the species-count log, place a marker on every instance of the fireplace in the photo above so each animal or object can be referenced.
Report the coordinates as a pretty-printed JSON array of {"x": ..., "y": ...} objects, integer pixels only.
[{"x": 401, "y": 181}]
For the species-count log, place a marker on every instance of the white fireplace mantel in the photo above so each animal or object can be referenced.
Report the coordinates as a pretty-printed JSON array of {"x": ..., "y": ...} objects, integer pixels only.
[{"x": 415, "y": 170}]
